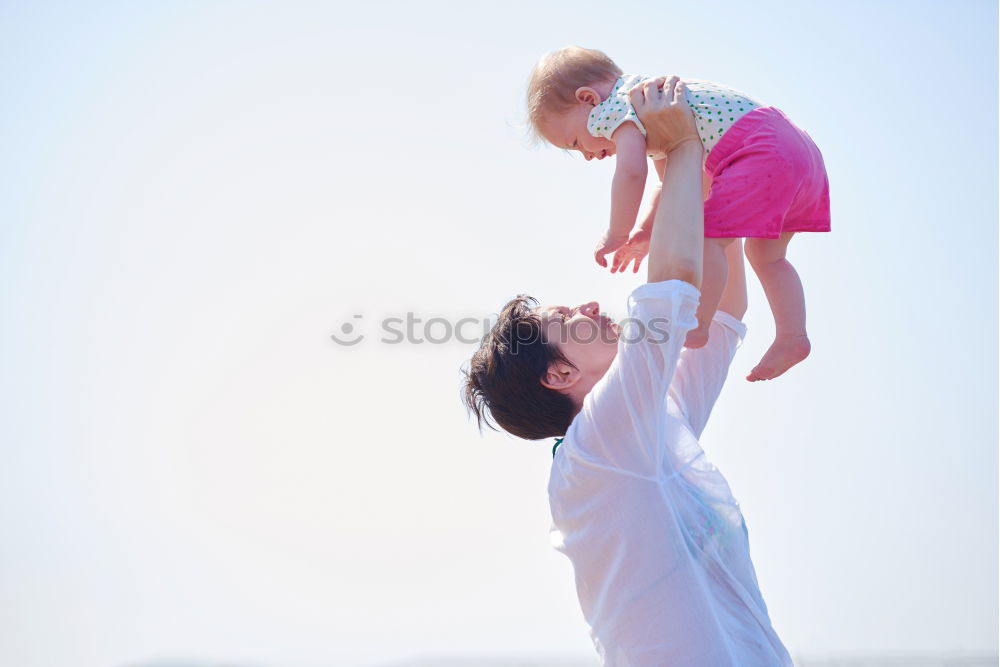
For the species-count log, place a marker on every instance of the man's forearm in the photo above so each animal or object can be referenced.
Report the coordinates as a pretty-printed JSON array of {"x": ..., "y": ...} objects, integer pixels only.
[{"x": 678, "y": 236}]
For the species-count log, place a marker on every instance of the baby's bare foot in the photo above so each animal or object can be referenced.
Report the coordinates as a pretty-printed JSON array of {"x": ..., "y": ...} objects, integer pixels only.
[
  {"x": 697, "y": 337},
  {"x": 785, "y": 352}
]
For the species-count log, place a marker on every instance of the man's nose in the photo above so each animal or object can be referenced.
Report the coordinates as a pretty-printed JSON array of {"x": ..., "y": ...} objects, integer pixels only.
[{"x": 590, "y": 309}]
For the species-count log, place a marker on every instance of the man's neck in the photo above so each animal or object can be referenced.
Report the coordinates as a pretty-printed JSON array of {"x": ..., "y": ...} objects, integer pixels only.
[{"x": 578, "y": 392}]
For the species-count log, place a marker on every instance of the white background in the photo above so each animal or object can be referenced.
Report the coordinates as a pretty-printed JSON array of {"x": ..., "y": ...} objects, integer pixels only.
[{"x": 194, "y": 196}]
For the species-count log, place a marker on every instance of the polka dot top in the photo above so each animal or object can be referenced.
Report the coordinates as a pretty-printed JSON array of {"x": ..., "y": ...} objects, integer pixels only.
[{"x": 716, "y": 108}]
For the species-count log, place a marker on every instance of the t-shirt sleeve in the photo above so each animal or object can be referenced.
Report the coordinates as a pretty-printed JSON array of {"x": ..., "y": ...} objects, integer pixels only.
[
  {"x": 621, "y": 423},
  {"x": 612, "y": 112},
  {"x": 701, "y": 372}
]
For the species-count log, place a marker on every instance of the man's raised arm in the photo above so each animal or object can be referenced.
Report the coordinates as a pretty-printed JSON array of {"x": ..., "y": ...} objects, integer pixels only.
[{"x": 678, "y": 236}]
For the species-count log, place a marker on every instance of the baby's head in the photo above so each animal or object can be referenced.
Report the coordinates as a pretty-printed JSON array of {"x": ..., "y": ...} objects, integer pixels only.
[{"x": 564, "y": 87}]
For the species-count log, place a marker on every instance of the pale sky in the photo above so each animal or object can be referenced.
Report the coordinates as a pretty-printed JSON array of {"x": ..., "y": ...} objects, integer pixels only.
[{"x": 195, "y": 196}]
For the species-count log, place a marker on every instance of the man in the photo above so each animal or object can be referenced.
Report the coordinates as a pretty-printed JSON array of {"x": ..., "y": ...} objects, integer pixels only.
[{"x": 657, "y": 542}]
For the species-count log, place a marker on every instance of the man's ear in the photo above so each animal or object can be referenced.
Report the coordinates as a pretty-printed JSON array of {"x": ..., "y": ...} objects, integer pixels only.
[
  {"x": 587, "y": 95},
  {"x": 560, "y": 376}
]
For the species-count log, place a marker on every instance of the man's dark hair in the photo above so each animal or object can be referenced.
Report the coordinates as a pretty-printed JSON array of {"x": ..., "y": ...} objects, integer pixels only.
[{"x": 503, "y": 382}]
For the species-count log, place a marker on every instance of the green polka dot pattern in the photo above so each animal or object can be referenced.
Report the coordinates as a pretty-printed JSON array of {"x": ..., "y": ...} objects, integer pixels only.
[{"x": 708, "y": 101}]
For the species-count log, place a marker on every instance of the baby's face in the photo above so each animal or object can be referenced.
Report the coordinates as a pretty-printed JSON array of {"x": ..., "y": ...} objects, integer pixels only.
[{"x": 569, "y": 130}]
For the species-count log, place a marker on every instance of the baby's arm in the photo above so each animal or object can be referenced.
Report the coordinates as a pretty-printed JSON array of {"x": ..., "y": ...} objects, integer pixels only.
[
  {"x": 635, "y": 249},
  {"x": 647, "y": 222},
  {"x": 626, "y": 188}
]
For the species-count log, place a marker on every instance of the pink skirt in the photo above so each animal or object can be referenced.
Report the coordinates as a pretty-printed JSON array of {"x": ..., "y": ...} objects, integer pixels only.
[{"x": 768, "y": 177}]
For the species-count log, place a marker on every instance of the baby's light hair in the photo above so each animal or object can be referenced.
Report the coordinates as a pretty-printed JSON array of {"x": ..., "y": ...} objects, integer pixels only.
[{"x": 555, "y": 79}]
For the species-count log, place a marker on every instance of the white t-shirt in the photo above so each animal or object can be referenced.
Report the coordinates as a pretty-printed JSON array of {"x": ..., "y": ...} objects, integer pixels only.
[{"x": 657, "y": 541}]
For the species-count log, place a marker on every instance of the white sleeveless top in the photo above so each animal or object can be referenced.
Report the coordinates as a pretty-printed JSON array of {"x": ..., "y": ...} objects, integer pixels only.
[{"x": 716, "y": 108}]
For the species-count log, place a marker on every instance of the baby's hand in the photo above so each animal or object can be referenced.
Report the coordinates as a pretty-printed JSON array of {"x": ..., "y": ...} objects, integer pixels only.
[
  {"x": 608, "y": 243},
  {"x": 635, "y": 249}
]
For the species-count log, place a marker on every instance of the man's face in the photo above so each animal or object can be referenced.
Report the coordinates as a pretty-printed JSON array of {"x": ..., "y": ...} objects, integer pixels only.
[{"x": 588, "y": 339}]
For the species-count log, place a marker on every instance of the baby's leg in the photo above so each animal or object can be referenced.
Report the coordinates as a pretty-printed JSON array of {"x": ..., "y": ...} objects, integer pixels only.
[
  {"x": 788, "y": 305},
  {"x": 714, "y": 274}
]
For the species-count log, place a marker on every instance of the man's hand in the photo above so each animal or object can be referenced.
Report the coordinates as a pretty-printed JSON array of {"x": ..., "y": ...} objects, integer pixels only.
[
  {"x": 665, "y": 114},
  {"x": 634, "y": 250}
]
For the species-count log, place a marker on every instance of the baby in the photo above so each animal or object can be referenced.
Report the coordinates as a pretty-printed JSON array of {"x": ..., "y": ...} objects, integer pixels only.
[{"x": 767, "y": 182}]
